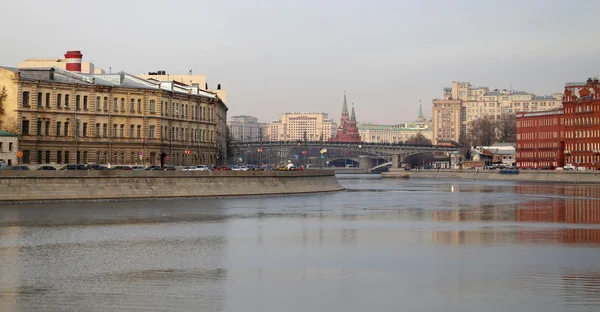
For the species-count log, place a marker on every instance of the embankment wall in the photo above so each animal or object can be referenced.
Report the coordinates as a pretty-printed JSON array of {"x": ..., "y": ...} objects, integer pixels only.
[
  {"x": 524, "y": 175},
  {"x": 28, "y": 186}
]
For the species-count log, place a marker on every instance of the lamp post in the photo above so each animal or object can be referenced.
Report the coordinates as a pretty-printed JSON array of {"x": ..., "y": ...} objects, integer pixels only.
[
  {"x": 260, "y": 151},
  {"x": 304, "y": 153}
]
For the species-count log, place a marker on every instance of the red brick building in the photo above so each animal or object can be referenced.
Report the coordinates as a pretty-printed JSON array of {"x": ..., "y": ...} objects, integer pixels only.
[
  {"x": 540, "y": 139},
  {"x": 581, "y": 106},
  {"x": 348, "y": 130}
]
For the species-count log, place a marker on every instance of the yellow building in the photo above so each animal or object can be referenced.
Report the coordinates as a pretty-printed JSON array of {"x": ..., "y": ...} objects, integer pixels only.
[
  {"x": 301, "y": 126},
  {"x": 73, "y": 117},
  {"x": 190, "y": 80},
  {"x": 463, "y": 103},
  {"x": 372, "y": 133}
]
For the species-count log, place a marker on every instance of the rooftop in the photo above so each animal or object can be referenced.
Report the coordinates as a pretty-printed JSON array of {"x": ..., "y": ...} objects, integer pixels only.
[{"x": 7, "y": 134}]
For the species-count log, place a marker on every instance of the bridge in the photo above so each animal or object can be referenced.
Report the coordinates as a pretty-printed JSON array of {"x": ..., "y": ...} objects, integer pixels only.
[{"x": 371, "y": 155}]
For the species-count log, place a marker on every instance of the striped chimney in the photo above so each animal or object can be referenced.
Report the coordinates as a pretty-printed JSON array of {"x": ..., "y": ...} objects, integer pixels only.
[{"x": 73, "y": 59}]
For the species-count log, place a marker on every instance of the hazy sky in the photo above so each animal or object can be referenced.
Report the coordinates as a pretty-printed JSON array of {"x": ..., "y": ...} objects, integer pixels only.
[{"x": 279, "y": 56}]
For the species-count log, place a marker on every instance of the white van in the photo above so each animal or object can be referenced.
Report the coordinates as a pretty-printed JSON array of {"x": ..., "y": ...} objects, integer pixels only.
[{"x": 569, "y": 167}]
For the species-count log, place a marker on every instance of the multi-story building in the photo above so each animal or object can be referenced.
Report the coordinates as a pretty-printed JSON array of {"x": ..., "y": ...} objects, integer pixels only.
[
  {"x": 301, "y": 126},
  {"x": 568, "y": 136},
  {"x": 72, "y": 58},
  {"x": 540, "y": 139},
  {"x": 198, "y": 81},
  {"x": 463, "y": 103},
  {"x": 246, "y": 129},
  {"x": 348, "y": 130},
  {"x": 582, "y": 123},
  {"x": 65, "y": 116},
  {"x": 372, "y": 133},
  {"x": 9, "y": 147}
]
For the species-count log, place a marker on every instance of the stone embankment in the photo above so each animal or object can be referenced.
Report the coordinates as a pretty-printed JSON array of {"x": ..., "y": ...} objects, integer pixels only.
[
  {"x": 50, "y": 186},
  {"x": 524, "y": 175}
]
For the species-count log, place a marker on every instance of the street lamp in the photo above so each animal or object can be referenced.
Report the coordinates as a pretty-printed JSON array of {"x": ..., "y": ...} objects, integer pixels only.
[
  {"x": 304, "y": 153},
  {"x": 260, "y": 151}
]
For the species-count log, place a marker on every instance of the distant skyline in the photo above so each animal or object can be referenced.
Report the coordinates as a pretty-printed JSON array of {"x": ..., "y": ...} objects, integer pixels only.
[{"x": 274, "y": 57}]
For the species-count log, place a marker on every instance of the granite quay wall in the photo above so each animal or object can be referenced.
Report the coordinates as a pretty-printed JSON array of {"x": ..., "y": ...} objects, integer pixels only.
[
  {"x": 86, "y": 185},
  {"x": 524, "y": 175}
]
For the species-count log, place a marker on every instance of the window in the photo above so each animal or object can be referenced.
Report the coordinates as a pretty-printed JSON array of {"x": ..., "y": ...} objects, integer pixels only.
[
  {"x": 151, "y": 131},
  {"x": 105, "y": 104},
  {"x": 84, "y": 133},
  {"x": 116, "y": 105},
  {"x": 10, "y": 146},
  {"x": 66, "y": 157},
  {"x": 66, "y": 130},
  {"x": 139, "y": 106},
  {"x": 131, "y": 129},
  {"x": 78, "y": 102},
  {"x": 67, "y": 101},
  {"x": 39, "y": 99},
  {"x": 132, "y": 106},
  {"x": 104, "y": 130},
  {"x": 47, "y": 157},
  {"x": 122, "y": 104},
  {"x": 26, "y": 98},
  {"x": 139, "y": 131},
  {"x": 39, "y": 157},
  {"x": 85, "y": 102},
  {"x": 98, "y": 103},
  {"x": 85, "y": 157},
  {"x": 59, "y": 100},
  {"x": 58, "y": 157},
  {"x": 39, "y": 127},
  {"x": 25, "y": 127},
  {"x": 58, "y": 128},
  {"x": 114, "y": 134},
  {"x": 122, "y": 132},
  {"x": 26, "y": 157},
  {"x": 47, "y": 100},
  {"x": 97, "y": 130},
  {"x": 47, "y": 128}
]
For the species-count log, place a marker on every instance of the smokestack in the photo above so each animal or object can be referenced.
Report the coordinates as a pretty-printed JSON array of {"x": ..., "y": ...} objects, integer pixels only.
[{"x": 73, "y": 59}]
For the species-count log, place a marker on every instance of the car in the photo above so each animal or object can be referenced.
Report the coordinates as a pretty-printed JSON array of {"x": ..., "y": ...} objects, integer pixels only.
[
  {"x": 154, "y": 168},
  {"x": 190, "y": 168},
  {"x": 46, "y": 168},
  {"x": 95, "y": 167},
  {"x": 121, "y": 168},
  {"x": 137, "y": 168},
  {"x": 202, "y": 168},
  {"x": 18, "y": 168},
  {"x": 73, "y": 167},
  {"x": 240, "y": 168},
  {"x": 266, "y": 168},
  {"x": 166, "y": 168}
]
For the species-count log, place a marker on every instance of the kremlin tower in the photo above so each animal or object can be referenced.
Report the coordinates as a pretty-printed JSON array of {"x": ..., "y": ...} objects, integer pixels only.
[{"x": 348, "y": 130}]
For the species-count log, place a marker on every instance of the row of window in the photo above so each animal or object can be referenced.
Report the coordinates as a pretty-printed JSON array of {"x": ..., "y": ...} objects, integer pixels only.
[
  {"x": 582, "y": 108},
  {"x": 536, "y": 164},
  {"x": 118, "y": 157},
  {"x": 582, "y": 147},
  {"x": 178, "y": 110},
  {"x": 582, "y": 121},
  {"x": 544, "y": 154},
  {"x": 583, "y": 161},
  {"x": 10, "y": 147}
]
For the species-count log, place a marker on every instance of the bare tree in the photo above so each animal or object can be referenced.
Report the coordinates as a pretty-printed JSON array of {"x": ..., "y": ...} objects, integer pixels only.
[
  {"x": 482, "y": 132},
  {"x": 3, "y": 96},
  {"x": 506, "y": 128},
  {"x": 419, "y": 139}
]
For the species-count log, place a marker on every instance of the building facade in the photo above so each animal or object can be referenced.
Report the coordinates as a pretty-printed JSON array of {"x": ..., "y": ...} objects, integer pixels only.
[
  {"x": 72, "y": 117},
  {"x": 373, "y": 133},
  {"x": 247, "y": 129},
  {"x": 540, "y": 139},
  {"x": 72, "y": 58},
  {"x": 463, "y": 103},
  {"x": 582, "y": 124},
  {"x": 9, "y": 147},
  {"x": 348, "y": 130},
  {"x": 301, "y": 126}
]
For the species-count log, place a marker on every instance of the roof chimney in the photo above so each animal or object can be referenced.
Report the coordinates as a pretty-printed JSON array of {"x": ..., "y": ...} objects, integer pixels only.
[{"x": 73, "y": 59}]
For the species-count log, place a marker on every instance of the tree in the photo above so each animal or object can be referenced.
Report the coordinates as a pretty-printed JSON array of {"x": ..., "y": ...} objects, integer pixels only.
[
  {"x": 3, "y": 96},
  {"x": 419, "y": 139},
  {"x": 506, "y": 128},
  {"x": 482, "y": 132},
  {"x": 229, "y": 140}
]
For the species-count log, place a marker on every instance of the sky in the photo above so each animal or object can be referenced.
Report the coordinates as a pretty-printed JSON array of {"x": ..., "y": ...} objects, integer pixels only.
[{"x": 276, "y": 56}]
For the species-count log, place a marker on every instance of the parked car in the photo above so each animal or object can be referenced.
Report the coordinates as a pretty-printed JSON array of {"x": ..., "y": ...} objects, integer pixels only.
[
  {"x": 190, "y": 168},
  {"x": 46, "y": 168},
  {"x": 168, "y": 168},
  {"x": 137, "y": 168},
  {"x": 266, "y": 168},
  {"x": 121, "y": 168},
  {"x": 95, "y": 167},
  {"x": 155, "y": 168},
  {"x": 73, "y": 167},
  {"x": 203, "y": 168},
  {"x": 240, "y": 168},
  {"x": 18, "y": 168}
]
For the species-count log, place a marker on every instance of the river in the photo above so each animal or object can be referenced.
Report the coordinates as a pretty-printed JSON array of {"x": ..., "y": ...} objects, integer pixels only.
[{"x": 381, "y": 245}]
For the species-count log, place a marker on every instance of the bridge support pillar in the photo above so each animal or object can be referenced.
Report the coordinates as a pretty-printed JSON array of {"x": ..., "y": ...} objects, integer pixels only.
[{"x": 395, "y": 161}]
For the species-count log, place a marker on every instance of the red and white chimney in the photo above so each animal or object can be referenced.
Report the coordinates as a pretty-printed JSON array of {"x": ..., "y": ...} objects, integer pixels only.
[{"x": 73, "y": 59}]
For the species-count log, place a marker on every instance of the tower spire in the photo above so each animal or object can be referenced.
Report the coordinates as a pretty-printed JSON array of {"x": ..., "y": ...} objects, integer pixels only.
[
  {"x": 345, "y": 108},
  {"x": 353, "y": 116},
  {"x": 420, "y": 116}
]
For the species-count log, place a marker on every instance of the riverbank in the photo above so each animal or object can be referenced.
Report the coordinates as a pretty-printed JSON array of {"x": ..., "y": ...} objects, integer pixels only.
[
  {"x": 524, "y": 175},
  {"x": 53, "y": 186}
]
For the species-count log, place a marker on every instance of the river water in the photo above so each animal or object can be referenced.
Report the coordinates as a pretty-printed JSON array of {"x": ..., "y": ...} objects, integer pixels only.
[{"x": 381, "y": 245}]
